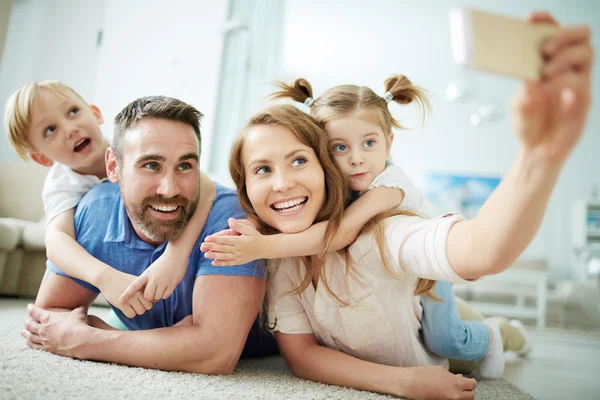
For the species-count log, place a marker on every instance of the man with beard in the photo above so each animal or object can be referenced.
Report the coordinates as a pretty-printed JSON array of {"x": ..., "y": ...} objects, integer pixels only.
[{"x": 203, "y": 326}]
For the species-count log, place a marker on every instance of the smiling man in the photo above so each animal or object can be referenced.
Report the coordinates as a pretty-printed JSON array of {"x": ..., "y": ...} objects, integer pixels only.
[{"x": 204, "y": 325}]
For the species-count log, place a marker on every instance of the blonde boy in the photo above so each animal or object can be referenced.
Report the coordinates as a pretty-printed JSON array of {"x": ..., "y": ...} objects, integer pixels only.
[{"x": 50, "y": 123}]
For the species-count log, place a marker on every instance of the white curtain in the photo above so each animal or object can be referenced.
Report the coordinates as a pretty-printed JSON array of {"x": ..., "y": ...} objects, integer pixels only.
[{"x": 250, "y": 62}]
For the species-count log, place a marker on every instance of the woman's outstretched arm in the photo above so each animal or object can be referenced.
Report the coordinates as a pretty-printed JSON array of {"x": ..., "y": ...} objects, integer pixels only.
[{"x": 550, "y": 116}]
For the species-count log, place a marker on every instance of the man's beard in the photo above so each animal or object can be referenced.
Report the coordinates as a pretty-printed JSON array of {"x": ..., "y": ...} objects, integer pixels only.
[{"x": 159, "y": 230}]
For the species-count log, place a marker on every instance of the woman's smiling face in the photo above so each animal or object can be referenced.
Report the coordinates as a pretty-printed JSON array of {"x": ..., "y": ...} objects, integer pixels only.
[{"x": 284, "y": 179}]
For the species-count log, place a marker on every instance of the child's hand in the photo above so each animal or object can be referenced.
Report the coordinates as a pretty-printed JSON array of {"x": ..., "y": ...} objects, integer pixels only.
[
  {"x": 240, "y": 244},
  {"x": 113, "y": 283},
  {"x": 160, "y": 279},
  {"x": 390, "y": 198}
]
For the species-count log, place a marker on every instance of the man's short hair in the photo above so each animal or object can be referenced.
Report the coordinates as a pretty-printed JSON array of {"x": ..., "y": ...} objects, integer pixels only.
[
  {"x": 17, "y": 112},
  {"x": 159, "y": 107}
]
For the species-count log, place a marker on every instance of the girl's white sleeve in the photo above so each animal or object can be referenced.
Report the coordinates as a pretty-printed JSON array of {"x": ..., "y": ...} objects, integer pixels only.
[
  {"x": 63, "y": 188},
  {"x": 393, "y": 177},
  {"x": 418, "y": 246},
  {"x": 286, "y": 312}
]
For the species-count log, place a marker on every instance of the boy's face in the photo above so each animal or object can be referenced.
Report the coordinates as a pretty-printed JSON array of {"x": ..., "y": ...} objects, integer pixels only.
[{"x": 65, "y": 130}]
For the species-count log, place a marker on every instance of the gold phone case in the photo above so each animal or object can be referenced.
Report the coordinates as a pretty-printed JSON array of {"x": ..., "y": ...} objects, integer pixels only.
[{"x": 498, "y": 44}]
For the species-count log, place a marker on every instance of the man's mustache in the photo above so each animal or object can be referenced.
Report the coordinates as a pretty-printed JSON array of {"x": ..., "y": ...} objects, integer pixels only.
[{"x": 166, "y": 201}]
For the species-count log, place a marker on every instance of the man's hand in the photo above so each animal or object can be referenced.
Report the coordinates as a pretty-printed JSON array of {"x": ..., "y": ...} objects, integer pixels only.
[
  {"x": 550, "y": 115},
  {"x": 435, "y": 383},
  {"x": 159, "y": 280},
  {"x": 240, "y": 244},
  {"x": 113, "y": 283},
  {"x": 56, "y": 332}
]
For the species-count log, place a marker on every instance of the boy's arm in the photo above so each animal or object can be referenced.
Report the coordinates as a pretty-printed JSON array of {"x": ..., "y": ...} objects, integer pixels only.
[
  {"x": 228, "y": 250},
  {"x": 182, "y": 246},
  {"x": 161, "y": 278},
  {"x": 64, "y": 252}
]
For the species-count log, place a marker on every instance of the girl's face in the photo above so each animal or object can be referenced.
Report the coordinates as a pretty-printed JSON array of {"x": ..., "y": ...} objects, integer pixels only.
[
  {"x": 359, "y": 147},
  {"x": 284, "y": 178}
]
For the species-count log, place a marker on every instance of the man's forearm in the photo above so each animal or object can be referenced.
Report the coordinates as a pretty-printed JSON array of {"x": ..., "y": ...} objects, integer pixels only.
[
  {"x": 179, "y": 348},
  {"x": 97, "y": 322},
  {"x": 210, "y": 340}
]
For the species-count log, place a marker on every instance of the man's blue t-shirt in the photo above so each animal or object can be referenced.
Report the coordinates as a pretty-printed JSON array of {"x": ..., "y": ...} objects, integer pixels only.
[{"x": 103, "y": 228}]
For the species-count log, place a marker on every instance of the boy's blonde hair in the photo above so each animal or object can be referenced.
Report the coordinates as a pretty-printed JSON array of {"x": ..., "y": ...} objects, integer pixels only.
[{"x": 17, "y": 112}]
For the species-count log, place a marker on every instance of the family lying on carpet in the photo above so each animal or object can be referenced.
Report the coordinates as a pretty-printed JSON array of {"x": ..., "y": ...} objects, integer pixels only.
[{"x": 359, "y": 291}]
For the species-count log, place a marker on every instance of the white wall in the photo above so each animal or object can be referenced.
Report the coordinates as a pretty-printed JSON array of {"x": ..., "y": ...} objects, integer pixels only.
[
  {"x": 358, "y": 42},
  {"x": 153, "y": 47},
  {"x": 148, "y": 47},
  {"x": 174, "y": 48},
  {"x": 50, "y": 39},
  {"x": 5, "y": 7}
]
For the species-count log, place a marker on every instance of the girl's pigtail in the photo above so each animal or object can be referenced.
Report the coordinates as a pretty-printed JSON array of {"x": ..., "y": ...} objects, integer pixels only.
[
  {"x": 401, "y": 90},
  {"x": 300, "y": 90}
]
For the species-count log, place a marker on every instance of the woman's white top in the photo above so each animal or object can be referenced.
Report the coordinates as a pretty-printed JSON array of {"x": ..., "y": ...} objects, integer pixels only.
[{"x": 381, "y": 322}]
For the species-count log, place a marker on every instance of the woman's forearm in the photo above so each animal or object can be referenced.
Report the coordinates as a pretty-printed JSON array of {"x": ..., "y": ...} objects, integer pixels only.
[
  {"x": 322, "y": 364},
  {"x": 507, "y": 222}
]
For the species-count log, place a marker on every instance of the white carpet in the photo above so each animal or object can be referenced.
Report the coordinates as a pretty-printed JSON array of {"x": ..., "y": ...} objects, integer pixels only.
[{"x": 27, "y": 374}]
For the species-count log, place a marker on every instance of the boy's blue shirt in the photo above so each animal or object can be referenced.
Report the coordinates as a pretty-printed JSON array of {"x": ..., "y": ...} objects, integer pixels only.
[{"x": 103, "y": 228}]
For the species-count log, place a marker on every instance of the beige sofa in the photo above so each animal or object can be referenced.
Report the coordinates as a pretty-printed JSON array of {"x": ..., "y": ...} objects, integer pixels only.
[
  {"x": 22, "y": 250},
  {"x": 22, "y": 228}
]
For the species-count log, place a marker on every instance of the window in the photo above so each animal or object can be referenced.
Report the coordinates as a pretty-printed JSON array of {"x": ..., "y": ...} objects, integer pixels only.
[{"x": 250, "y": 62}]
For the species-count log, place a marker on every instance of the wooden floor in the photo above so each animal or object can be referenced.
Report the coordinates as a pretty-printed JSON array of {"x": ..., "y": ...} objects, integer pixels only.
[{"x": 564, "y": 365}]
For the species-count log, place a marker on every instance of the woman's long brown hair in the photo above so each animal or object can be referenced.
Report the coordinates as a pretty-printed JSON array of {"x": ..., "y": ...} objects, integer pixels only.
[{"x": 308, "y": 132}]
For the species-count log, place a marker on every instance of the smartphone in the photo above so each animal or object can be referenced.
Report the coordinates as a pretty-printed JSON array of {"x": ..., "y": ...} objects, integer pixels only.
[{"x": 498, "y": 44}]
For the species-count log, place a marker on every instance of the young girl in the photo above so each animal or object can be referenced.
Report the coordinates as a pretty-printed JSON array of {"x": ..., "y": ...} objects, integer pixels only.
[
  {"x": 50, "y": 122},
  {"x": 359, "y": 126}
]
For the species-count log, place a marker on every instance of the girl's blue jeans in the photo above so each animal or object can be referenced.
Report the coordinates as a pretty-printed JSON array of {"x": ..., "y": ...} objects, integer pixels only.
[{"x": 445, "y": 334}]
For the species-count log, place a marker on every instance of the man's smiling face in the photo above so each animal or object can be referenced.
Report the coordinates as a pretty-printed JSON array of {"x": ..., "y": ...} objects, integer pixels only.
[{"x": 159, "y": 177}]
